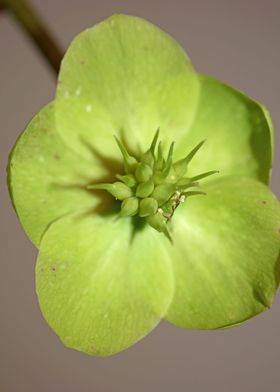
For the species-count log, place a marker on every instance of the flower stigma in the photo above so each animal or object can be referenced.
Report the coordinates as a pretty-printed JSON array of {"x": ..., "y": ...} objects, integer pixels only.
[{"x": 154, "y": 186}]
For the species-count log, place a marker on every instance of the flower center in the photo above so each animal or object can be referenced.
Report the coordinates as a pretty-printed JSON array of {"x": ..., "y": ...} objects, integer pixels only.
[{"x": 154, "y": 186}]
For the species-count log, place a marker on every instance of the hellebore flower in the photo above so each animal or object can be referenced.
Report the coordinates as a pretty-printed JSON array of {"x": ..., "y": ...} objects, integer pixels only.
[{"x": 109, "y": 270}]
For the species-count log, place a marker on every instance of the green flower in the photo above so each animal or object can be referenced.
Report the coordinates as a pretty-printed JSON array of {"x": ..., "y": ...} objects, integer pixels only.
[{"x": 109, "y": 270}]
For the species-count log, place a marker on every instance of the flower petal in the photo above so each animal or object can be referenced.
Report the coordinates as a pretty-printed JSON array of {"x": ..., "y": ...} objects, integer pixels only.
[
  {"x": 138, "y": 73},
  {"x": 238, "y": 131},
  {"x": 87, "y": 129},
  {"x": 225, "y": 255},
  {"x": 46, "y": 178},
  {"x": 102, "y": 286}
]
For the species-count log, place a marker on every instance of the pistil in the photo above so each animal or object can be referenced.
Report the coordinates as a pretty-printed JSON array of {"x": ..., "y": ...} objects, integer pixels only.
[{"x": 153, "y": 187}]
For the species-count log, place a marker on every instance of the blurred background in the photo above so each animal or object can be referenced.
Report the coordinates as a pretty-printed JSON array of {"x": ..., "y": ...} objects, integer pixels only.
[{"x": 234, "y": 41}]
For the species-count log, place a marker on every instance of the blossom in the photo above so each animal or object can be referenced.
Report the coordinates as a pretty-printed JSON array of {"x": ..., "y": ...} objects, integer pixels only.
[{"x": 107, "y": 272}]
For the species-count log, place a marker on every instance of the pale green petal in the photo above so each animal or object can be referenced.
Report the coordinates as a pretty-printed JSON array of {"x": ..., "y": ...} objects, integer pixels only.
[
  {"x": 101, "y": 286},
  {"x": 46, "y": 179},
  {"x": 238, "y": 133},
  {"x": 225, "y": 255},
  {"x": 171, "y": 108},
  {"x": 88, "y": 130},
  {"x": 136, "y": 72}
]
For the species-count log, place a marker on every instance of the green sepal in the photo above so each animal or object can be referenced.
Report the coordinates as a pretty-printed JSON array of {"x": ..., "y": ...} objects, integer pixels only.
[
  {"x": 225, "y": 254},
  {"x": 96, "y": 289},
  {"x": 147, "y": 207},
  {"x": 238, "y": 131},
  {"x": 44, "y": 175},
  {"x": 147, "y": 82}
]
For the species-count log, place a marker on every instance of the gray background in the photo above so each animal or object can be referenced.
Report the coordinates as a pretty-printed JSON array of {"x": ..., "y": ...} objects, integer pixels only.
[{"x": 235, "y": 41}]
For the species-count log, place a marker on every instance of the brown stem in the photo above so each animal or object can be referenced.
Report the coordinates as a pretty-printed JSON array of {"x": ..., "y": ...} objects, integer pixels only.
[{"x": 36, "y": 29}]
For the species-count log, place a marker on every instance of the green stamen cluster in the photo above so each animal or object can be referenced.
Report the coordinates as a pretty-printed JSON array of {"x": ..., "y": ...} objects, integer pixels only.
[{"x": 153, "y": 186}]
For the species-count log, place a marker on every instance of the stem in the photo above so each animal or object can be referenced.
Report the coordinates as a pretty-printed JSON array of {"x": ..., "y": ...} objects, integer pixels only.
[{"x": 36, "y": 29}]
